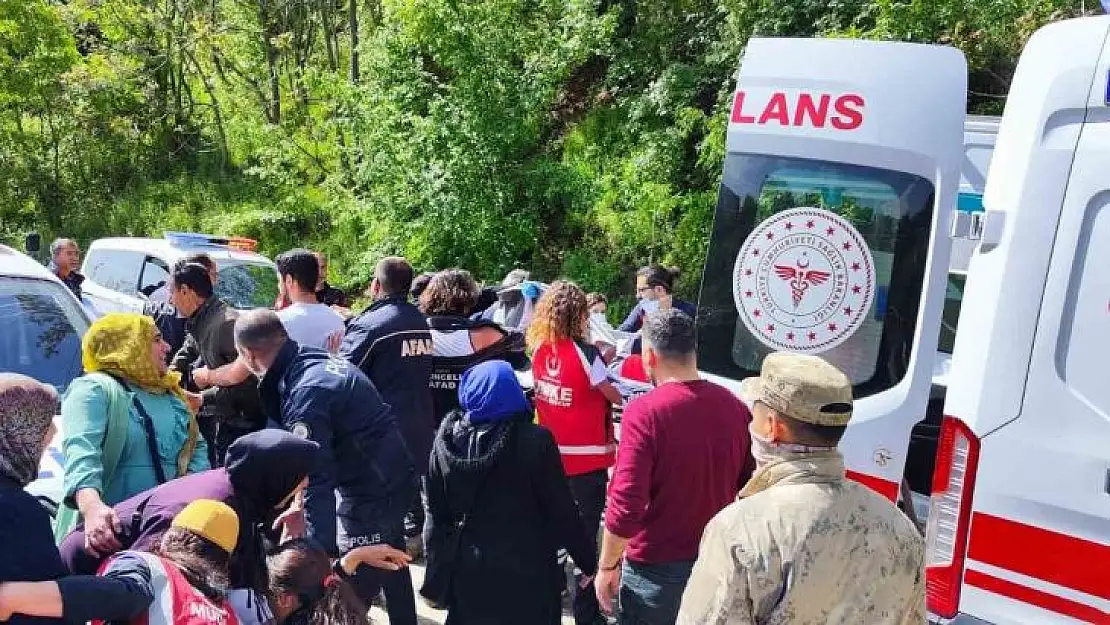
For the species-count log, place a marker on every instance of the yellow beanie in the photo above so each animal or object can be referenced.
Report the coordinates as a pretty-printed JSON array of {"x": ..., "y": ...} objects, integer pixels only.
[{"x": 210, "y": 519}]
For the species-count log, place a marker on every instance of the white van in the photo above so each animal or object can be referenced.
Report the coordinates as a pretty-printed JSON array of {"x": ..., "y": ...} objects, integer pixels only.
[{"x": 832, "y": 236}]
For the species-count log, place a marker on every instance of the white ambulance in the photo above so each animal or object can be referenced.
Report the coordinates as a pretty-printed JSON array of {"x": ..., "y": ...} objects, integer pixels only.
[{"x": 833, "y": 235}]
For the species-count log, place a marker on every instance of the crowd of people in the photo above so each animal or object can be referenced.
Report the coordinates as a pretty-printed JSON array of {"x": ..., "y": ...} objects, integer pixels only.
[{"x": 284, "y": 466}]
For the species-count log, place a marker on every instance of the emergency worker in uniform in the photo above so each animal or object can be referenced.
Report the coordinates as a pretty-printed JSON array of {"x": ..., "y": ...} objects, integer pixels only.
[
  {"x": 391, "y": 343},
  {"x": 574, "y": 400},
  {"x": 364, "y": 480},
  {"x": 458, "y": 342},
  {"x": 805, "y": 545}
]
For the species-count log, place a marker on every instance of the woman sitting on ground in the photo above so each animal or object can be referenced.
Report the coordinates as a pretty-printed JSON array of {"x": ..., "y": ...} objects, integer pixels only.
[{"x": 187, "y": 578}]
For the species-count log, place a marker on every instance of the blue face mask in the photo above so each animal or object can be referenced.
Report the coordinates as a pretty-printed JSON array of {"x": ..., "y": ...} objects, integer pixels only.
[{"x": 649, "y": 306}]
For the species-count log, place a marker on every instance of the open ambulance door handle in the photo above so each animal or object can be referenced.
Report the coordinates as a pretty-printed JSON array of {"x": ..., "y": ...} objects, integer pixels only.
[{"x": 985, "y": 227}]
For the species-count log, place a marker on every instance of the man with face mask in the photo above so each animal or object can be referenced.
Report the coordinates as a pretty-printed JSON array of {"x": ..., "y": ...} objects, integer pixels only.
[
  {"x": 804, "y": 544},
  {"x": 364, "y": 481},
  {"x": 683, "y": 455},
  {"x": 391, "y": 343}
]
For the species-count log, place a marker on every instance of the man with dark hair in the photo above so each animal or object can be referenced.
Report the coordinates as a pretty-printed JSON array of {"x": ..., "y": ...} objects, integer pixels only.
[
  {"x": 65, "y": 260},
  {"x": 392, "y": 344},
  {"x": 327, "y": 294},
  {"x": 307, "y": 321},
  {"x": 159, "y": 308},
  {"x": 684, "y": 454},
  {"x": 363, "y": 461},
  {"x": 419, "y": 284},
  {"x": 231, "y": 397},
  {"x": 804, "y": 544}
]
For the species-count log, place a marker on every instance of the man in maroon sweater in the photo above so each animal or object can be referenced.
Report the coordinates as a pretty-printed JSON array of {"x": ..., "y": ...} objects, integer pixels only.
[{"x": 684, "y": 454}]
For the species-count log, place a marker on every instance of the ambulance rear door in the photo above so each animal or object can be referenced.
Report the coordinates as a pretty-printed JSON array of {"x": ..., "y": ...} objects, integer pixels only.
[
  {"x": 831, "y": 232},
  {"x": 1019, "y": 527}
]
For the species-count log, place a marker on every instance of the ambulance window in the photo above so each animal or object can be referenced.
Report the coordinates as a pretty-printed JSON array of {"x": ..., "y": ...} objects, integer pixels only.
[
  {"x": 1085, "y": 330},
  {"x": 815, "y": 256}
]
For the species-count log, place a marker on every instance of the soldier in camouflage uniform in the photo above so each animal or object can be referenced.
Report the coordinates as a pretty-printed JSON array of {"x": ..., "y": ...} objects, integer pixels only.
[{"x": 804, "y": 544}]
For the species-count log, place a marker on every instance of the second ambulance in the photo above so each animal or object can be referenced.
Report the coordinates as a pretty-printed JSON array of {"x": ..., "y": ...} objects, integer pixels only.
[{"x": 833, "y": 235}]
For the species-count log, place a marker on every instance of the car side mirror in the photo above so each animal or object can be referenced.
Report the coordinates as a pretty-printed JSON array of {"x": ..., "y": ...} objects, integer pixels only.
[{"x": 33, "y": 244}]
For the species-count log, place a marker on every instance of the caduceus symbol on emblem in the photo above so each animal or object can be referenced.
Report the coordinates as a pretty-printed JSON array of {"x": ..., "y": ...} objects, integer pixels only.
[{"x": 800, "y": 277}]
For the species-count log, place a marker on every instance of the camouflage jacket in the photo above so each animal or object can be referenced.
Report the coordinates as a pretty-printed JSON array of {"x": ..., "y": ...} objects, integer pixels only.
[{"x": 804, "y": 545}]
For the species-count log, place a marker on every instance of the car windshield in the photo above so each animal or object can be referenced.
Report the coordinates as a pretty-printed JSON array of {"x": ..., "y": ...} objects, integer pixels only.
[
  {"x": 42, "y": 330},
  {"x": 247, "y": 284}
]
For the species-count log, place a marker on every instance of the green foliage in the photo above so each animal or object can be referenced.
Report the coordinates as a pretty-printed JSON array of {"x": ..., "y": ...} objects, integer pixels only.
[{"x": 577, "y": 138}]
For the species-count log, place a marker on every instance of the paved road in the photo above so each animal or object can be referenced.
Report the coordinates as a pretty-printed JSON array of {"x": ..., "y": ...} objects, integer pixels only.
[{"x": 426, "y": 615}]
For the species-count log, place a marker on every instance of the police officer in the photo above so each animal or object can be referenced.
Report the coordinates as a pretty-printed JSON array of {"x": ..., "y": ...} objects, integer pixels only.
[
  {"x": 364, "y": 465},
  {"x": 392, "y": 345}
]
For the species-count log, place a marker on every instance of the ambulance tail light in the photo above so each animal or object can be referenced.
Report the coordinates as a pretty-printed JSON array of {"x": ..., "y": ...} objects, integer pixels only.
[{"x": 950, "y": 516}]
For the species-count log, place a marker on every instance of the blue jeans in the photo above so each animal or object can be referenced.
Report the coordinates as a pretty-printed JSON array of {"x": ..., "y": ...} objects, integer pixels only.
[{"x": 652, "y": 593}]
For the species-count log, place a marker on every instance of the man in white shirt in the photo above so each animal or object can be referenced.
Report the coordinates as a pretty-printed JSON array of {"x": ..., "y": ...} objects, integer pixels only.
[{"x": 307, "y": 321}]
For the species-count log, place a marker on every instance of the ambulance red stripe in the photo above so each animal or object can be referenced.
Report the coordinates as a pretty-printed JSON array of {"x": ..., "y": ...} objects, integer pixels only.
[
  {"x": 877, "y": 484},
  {"x": 1032, "y": 596},
  {"x": 1057, "y": 558}
]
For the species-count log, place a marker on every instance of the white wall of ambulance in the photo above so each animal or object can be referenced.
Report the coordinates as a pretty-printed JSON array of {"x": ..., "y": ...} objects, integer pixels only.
[{"x": 1019, "y": 527}]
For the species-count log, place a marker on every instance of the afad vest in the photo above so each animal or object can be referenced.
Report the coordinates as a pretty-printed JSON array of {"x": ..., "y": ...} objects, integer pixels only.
[
  {"x": 452, "y": 355},
  {"x": 575, "y": 413},
  {"x": 176, "y": 602}
]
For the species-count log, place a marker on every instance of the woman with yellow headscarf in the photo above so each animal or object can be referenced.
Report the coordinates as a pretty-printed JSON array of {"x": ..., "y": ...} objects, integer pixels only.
[{"x": 126, "y": 425}]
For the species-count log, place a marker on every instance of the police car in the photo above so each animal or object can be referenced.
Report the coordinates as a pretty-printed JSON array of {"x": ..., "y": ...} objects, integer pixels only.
[
  {"x": 840, "y": 181},
  {"x": 42, "y": 325},
  {"x": 122, "y": 273}
]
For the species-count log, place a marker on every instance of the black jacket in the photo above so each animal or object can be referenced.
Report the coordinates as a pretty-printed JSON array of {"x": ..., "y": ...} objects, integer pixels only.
[
  {"x": 362, "y": 453},
  {"x": 211, "y": 338},
  {"x": 332, "y": 296},
  {"x": 390, "y": 342},
  {"x": 447, "y": 370},
  {"x": 27, "y": 551},
  {"x": 170, "y": 324},
  {"x": 506, "y": 569}
]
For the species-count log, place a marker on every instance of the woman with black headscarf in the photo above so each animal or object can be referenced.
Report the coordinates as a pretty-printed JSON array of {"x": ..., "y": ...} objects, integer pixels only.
[
  {"x": 27, "y": 409},
  {"x": 261, "y": 477}
]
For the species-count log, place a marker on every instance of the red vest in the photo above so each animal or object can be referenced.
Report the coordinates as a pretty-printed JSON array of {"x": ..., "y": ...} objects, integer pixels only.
[
  {"x": 576, "y": 413},
  {"x": 176, "y": 602}
]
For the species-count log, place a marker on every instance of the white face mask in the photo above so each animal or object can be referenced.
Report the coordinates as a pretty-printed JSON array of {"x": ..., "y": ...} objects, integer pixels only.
[
  {"x": 649, "y": 306},
  {"x": 765, "y": 451},
  {"x": 599, "y": 318}
]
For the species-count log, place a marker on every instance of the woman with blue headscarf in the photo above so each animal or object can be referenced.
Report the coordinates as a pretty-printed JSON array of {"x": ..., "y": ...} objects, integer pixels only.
[{"x": 499, "y": 509}]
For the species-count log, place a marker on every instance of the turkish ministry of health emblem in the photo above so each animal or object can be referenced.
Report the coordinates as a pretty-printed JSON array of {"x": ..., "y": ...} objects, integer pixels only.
[{"x": 804, "y": 281}]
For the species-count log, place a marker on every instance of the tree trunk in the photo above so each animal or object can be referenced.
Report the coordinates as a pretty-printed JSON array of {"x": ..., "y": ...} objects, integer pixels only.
[
  {"x": 352, "y": 24},
  {"x": 216, "y": 111},
  {"x": 273, "y": 108},
  {"x": 329, "y": 35}
]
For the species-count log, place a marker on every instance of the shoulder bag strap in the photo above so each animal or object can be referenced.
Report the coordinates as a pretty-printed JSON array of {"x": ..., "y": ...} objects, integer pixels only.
[{"x": 151, "y": 436}]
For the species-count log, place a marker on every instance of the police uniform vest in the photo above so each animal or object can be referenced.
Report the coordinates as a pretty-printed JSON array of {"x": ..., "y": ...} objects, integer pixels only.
[
  {"x": 576, "y": 413},
  {"x": 176, "y": 601}
]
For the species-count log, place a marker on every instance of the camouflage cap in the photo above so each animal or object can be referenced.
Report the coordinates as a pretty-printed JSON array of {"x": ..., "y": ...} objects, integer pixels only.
[{"x": 803, "y": 387}]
